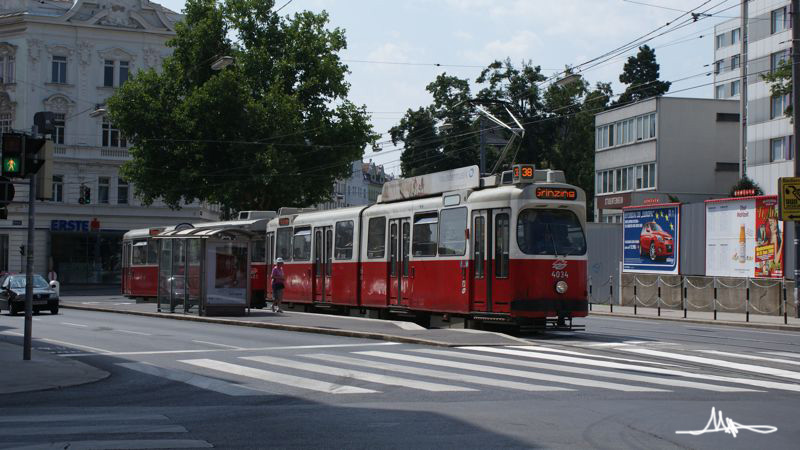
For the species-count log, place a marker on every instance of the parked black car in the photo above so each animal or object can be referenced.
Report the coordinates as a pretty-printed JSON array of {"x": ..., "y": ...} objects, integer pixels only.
[{"x": 12, "y": 294}]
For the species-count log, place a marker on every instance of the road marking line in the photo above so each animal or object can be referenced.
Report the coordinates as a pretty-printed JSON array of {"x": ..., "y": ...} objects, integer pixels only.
[
  {"x": 74, "y": 324},
  {"x": 12, "y": 333},
  {"x": 358, "y": 375},
  {"x": 431, "y": 373},
  {"x": 585, "y": 371},
  {"x": 409, "y": 325},
  {"x": 118, "y": 444},
  {"x": 761, "y": 370},
  {"x": 746, "y": 356},
  {"x": 279, "y": 378},
  {"x": 787, "y": 354},
  {"x": 192, "y": 379},
  {"x": 219, "y": 345},
  {"x": 568, "y": 352},
  {"x": 211, "y": 350},
  {"x": 513, "y": 372},
  {"x": 80, "y": 417},
  {"x": 132, "y": 332},
  {"x": 94, "y": 349},
  {"x": 91, "y": 429},
  {"x": 656, "y": 370}
]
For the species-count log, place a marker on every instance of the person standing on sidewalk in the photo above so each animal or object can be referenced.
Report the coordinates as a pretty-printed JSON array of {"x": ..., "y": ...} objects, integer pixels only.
[{"x": 278, "y": 283}]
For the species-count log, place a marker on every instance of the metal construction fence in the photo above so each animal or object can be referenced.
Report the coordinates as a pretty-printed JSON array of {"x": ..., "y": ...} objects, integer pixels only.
[{"x": 767, "y": 297}]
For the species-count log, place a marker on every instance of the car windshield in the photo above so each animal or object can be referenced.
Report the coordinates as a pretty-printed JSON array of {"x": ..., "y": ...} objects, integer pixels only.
[
  {"x": 18, "y": 282},
  {"x": 550, "y": 232},
  {"x": 655, "y": 227}
]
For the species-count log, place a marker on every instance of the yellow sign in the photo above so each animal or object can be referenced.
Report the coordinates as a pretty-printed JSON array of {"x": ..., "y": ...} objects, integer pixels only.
[{"x": 789, "y": 198}]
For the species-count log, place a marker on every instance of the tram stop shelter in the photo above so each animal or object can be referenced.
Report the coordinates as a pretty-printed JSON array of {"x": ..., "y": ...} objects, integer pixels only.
[{"x": 204, "y": 270}]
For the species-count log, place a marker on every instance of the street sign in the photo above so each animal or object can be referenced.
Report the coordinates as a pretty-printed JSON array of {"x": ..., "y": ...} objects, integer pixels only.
[
  {"x": 789, "y": 198},
  {"x": 7, "y": 191}
]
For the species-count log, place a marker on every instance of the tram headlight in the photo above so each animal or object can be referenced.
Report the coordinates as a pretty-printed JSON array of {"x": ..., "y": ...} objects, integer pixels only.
[{"x": 561, "y": 287}]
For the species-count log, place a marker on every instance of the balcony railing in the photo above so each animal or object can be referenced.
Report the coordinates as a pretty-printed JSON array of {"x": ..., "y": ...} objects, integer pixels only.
[{"x": 87, "y": 152}]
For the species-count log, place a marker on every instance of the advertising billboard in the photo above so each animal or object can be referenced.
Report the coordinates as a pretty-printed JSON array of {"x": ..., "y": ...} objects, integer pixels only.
[
  {"x": 744, "y": 238},
  {"x": 650, "y": 241}
]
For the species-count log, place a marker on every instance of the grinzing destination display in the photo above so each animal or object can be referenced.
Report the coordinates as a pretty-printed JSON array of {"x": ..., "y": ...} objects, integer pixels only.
[
  {"x": 651, "y": 239},
  {"x": 744, "y": 238}
]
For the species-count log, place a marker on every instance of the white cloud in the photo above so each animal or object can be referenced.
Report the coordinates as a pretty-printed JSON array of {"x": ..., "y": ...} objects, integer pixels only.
[
  {"x": 391, "y": 51},
  {"x": 463, "y": 35},
  {"x": 517, "y": 47}
]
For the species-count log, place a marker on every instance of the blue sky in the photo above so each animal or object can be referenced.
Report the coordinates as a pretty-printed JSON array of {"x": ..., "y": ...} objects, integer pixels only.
[{"x": 475, "y": 32}]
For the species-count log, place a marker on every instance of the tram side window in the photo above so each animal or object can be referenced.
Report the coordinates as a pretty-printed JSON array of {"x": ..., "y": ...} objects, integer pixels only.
[
  {"x": 344, "y": 240},
  {"x": 376, "y": 238},
  {"x": 260, "y": 251},
  {"x": 452, "y": 239},
  {"x": 426, "y": 234},
  {"x": 501, "y": 245},
  {"x": 284, "y": 244},
  {"x": 140, "y": 253},
  {"x": 302, "y": 244},
  {"x": 152, "y": 252}
]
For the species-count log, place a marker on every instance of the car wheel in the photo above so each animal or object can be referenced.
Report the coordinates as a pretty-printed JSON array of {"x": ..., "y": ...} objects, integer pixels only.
[
  {"x": 36, "y": 310},
  {"x": 653, "y": 251},
  {"x": 54, "y": 310}
]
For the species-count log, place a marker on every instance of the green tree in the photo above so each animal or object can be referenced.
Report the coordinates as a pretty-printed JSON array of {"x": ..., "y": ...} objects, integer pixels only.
[
  {"x": 746, "y": 183},
  {"x": 274, "y": 129},
  {"x": 780, "y": 83},
  {"x": 640, "y": 73}
]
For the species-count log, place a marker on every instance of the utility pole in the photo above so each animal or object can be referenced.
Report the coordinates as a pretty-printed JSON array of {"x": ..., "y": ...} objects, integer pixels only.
[
  {"x": 26, "y": 352},
  {"x": 483, "y": 146},
  {"x": 796, "y": 132},
  {"x": 743, "y": 39}
]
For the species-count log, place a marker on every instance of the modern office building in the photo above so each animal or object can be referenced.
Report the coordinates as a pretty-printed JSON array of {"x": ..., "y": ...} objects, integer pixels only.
[
  {"x": 664, "y": 149},
  {"x": 68, "y": 57},
  {"x": 764, "y": 40}
]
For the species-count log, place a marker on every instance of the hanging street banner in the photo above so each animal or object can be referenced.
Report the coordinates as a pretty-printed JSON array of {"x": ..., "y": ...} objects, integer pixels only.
[
  {"x": 744, "y": 238},
  {"x": 651, "y": 239}
]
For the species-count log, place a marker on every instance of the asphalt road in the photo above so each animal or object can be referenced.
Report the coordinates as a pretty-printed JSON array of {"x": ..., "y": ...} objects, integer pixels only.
[{"x": 621, "y": 384}]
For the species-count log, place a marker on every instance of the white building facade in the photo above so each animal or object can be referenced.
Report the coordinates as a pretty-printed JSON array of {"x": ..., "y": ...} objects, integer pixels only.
[
  {"x": 68, "y": 57},
  {"x": 766, "y": 34},
  {"x": 361, "y": 188}
]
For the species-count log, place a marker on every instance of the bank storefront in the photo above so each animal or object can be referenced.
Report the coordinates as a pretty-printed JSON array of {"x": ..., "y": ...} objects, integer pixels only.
[{"x": 82, "y": 252}]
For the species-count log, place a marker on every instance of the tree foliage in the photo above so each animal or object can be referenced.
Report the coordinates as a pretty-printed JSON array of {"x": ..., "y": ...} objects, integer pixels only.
[
  {"x": 274, "y": 129},
  {"x": 780, "y": 83},
  {"x": 558, "y": 123},
  {"x": 641, "y": 74},
  {"x": 746, "y": 183}
]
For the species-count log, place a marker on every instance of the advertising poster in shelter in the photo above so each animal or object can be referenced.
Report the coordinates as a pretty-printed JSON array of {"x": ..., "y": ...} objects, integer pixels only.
[
  {"x": 651, "y": 239},
  {"x": 227, "y": 273},
  {"x": 744, "y": 238}
]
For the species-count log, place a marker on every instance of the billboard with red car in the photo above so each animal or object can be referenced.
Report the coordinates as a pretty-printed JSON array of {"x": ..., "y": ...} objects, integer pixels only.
[{"x": 650, "y": 239}]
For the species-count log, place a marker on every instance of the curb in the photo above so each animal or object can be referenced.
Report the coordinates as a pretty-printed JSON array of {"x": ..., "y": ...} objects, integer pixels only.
[
  {"x": 277, "y": 326},
  {"x": 727, "y": 323}
]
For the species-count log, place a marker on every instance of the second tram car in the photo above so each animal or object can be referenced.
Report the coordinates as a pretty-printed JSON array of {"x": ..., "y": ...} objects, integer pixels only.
[{"x": 508, "y": 248}]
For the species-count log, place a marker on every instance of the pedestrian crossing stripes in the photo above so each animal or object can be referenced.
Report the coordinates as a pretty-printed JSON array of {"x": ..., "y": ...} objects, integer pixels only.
[
  {"x": 532, "y": 368},
  {"x": 59, "y": 431}
]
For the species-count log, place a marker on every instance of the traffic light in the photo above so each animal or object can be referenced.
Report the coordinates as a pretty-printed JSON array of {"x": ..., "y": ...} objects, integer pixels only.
[
  {"x": 85, "y": 195},
  {"x": 44, "y": 178},
  {"x": 22, "y": 250},
  {"x": 34, "y": 159},
  {"x": 13, "y": 155}
]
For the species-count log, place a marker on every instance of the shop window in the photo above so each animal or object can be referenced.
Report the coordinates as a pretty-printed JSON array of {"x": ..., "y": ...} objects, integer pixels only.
[
  {"x": 343, "y": 248},
  {"x": 426, "y": 230},
  {"x": 452, "y": 238}
]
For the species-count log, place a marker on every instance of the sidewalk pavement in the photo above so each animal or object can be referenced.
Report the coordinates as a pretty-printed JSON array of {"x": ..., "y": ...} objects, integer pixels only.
[
  {"x": 294, "y": 320},
  {"x": 699, "y": 317},
  {"x": 43, "y": 371}
]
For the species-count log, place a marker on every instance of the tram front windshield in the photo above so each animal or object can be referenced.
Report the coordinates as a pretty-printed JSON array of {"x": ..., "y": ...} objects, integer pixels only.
[{"x": 550, "y": 232}]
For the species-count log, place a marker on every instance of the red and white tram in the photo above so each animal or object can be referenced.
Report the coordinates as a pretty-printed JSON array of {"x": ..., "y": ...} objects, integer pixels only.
[{"x": 509, "y": 247}]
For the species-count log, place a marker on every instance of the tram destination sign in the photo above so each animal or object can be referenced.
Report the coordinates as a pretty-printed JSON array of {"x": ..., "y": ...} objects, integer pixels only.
[
  {"x": 546, "y": 193},
  {"x": 789, "y": 198}
]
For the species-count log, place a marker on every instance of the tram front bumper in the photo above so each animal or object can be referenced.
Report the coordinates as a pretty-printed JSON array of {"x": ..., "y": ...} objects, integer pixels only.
[{"x": 550, "y": 307}]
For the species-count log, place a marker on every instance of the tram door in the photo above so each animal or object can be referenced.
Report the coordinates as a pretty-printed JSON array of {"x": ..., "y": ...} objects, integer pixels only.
[
  {"x": 480, "y": 283},
  {"x": 491, "y": 240},
  {"x": 323, "y": 265},
  {"x": 399, "y": 250},
  {"x": 126, "y": 268},
  {"x": 269, "y": 258}
]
